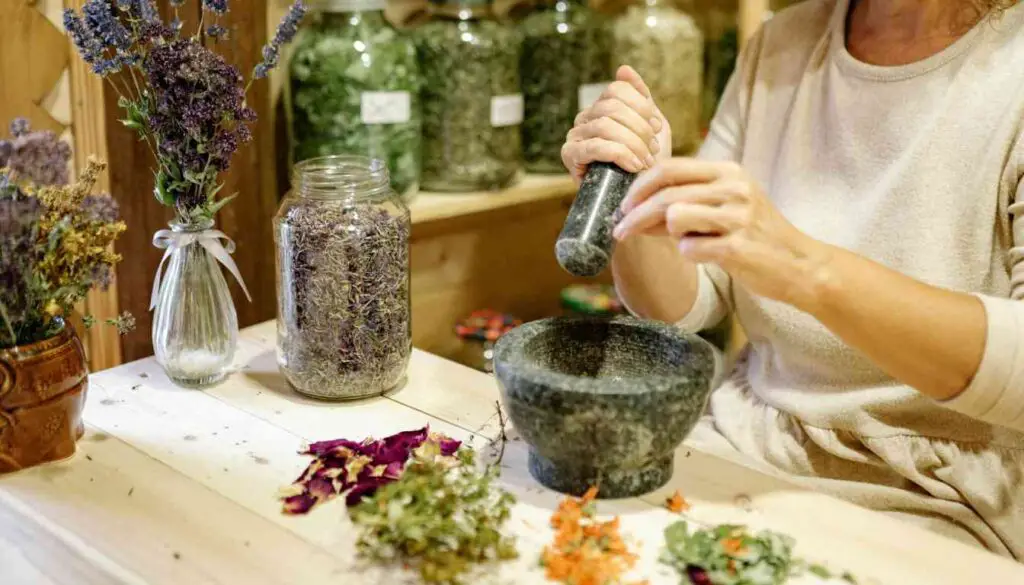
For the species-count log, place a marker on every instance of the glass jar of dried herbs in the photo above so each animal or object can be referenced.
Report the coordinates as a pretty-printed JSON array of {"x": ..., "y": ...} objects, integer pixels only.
[
  {"x": 342, "y": 236},
  {"x": 471, "y": 98},
  {"x": 666, "y": 47},
  {"x": 718, "y": 21},
  {"x": 354, "y": 84},
  {"x": 565, "y": 65}
]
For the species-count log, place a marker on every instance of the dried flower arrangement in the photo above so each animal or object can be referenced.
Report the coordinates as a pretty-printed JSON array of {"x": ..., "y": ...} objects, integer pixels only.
[
  {"x": 184, "y": 100},
  {"x": 55, "y": 238}
]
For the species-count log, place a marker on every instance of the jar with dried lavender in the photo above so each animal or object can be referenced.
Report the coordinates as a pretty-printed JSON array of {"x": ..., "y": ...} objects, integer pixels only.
[
  {"x": 342, "y": 236},
  {"x": 666, "y": 47},
  {"x": 354, "y": 85},
  {"x": 472, "y": 105},
  {"x": 565, "y": 65}
]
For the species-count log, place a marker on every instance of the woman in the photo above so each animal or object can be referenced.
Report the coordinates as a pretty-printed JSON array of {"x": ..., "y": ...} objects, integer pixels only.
[{"x": 854, "y": 206}]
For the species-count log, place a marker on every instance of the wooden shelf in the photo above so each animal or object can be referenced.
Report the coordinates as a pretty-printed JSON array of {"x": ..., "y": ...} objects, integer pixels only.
[{"x": 430, "y": 207}]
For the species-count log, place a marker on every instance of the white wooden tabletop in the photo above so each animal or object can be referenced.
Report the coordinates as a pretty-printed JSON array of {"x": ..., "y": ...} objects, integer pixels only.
[{"x": 175, "y": 486}]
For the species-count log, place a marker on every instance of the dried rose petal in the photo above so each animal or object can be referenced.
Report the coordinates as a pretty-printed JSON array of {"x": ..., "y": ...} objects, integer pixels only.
[
  {"x": 321, "y": 489},
  {"x": 323, "y": 447},
  {"x": 364, "y": 489},
  {"x": 299, "y": 504},
  {"x": 393, "y": 470},
  {"x": 698, "y": 576},
  {"x": 448, "y": 446}
]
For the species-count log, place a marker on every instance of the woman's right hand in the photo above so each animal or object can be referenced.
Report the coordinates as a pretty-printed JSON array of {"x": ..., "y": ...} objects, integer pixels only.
[{"x": 623, "y": 127}]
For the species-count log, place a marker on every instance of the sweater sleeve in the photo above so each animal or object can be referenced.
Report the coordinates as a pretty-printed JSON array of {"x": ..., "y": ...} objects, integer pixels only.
[{"x": 996, "y": 394}]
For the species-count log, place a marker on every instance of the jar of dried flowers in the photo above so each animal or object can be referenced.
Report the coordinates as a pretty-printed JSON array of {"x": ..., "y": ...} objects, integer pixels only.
[
  {"x": 342, "y": 235},
  {"x": 55, "y": 245},
  {"x": 187, "y": 103}
]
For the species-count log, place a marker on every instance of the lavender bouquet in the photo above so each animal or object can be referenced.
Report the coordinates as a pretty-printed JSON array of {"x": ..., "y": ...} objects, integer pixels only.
[
  {"x": 188, "y": 104},
  {"x": 185, "y": 101},
  {"x": 55, "y": 238}
]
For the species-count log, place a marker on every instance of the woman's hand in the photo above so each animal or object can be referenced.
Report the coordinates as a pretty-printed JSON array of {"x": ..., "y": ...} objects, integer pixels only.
[
  {"x": 623, "y": 127},
  {"x": 719, "y": 214}
]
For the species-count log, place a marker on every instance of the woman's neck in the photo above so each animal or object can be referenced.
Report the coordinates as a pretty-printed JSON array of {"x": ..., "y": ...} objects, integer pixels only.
[{"x": 898, "y": 32}]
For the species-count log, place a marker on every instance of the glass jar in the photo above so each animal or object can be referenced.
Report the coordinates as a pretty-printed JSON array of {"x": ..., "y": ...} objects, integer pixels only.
[
  {"x": 195, "y": 326},
  {"x": 342, "y": 236},
  {"x": 718, "y": 21},
  {"x": 472, "y": 105},
  {"x": 565, "y": 65},
  {"x": 354, "y": 84},
  {"x": 666, "y": 47}
]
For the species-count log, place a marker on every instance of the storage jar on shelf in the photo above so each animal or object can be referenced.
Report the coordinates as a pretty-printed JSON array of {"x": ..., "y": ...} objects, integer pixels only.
[
  {"x": 354, "y": 83},
  {"x": 666, "y": 47},
  {"x": 471, "y": 98},
  {"x": 565, "y": 65},
  {"x": 718, "y": 20},
  {"x": 342, "y": 235}
]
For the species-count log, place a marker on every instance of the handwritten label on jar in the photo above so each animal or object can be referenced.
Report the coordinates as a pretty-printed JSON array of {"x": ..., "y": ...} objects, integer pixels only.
[
  {"x": 591, "y": 92},
  {"x": 385, "y": 107},
  {"x": 506, "y": 110}
]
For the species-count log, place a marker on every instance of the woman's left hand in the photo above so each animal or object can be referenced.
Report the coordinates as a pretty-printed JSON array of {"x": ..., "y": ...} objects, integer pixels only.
[{"x": 719, "y": 214}]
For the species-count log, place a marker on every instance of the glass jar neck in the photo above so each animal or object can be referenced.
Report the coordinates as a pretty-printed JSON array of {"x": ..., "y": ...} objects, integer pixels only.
[
  {"x": 338, "y": 18},
  {"x": 342, "y": 178},
  {"x": 193, "y": 226}
]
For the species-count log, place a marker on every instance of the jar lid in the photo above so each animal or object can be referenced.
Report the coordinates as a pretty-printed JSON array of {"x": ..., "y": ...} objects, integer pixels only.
[{"x": 347, "y": 5}]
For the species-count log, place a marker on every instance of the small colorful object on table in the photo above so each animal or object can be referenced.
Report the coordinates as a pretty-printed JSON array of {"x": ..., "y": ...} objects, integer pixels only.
[
  {"x": 592, "y": 299},
  {"x": 482, "y": 329}
]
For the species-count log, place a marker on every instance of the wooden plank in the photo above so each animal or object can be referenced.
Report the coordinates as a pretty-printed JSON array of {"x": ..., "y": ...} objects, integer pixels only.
[
  {"x": 33, "y": 55},
  {"x": 88, "y": 114},
  {"x": 429, "y": 207}
]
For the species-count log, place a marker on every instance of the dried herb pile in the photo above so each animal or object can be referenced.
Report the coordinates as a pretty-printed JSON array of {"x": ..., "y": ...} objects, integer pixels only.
[
  {"x": 666, "y": 48},
  {"x": 465, "y": 66},
  {"x": 352, "y": 75},
  {"x": 442, "y": 517},
  {"x": 564, "y": 49},
  {"x": 585, "y": 551},
  {"x": 357, "y": 469},
  {"x": 343, "y": 298},
  {"x": 731, "y": 555}
]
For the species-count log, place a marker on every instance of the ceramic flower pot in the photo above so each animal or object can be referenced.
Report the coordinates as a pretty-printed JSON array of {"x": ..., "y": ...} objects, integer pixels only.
[
  {"x": 603, "y": 402},
  {"x": 42, "y": 393}
]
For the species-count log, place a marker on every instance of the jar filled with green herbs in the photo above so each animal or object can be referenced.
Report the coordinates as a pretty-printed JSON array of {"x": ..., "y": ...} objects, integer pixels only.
[
  {"x": 354, "y": 84},
  {"x": 472, "y": 103},
  {"x": 343, "y": 319},
  {"x": 565, "y": 65},
  {"x": 718, "y": 21},
  {"x": 666, "y": 47}
]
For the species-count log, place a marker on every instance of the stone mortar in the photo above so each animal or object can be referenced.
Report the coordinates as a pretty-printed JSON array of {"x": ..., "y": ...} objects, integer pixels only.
[{"x": 603, "y": 401}]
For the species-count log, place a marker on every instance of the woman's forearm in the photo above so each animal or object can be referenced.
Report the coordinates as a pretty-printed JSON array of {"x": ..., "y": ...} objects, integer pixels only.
[
  {"x": 928, "y": 338},
  {"x": 653, "y": 279}
]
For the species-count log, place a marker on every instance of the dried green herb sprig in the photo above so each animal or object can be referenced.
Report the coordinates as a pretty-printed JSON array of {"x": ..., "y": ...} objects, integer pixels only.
[
  {"x": 731, "y": 555},
  {"x": 442, "y": 517}
]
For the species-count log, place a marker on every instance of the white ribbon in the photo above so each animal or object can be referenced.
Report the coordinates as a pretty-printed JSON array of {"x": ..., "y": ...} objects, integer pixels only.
[{"x": 210, "y": 239}]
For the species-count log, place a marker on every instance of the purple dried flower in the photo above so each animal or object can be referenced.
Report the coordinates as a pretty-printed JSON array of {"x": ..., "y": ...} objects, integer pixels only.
[
  {"x": 100, "y": 19},
  {"x": 39, "y": 157},
  {"x": 285, "y": 33},
  {"x": 142, "y": 9},
  {"x": 89, "y": 47},
  {"x": 218, "y": 6},
  {"x": 217, "y": 32},
  {"x": 101, "y": 208}
]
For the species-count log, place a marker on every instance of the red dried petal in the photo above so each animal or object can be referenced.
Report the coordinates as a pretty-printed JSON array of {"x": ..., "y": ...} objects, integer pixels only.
[
  {"x": 321, "y": 489},
  {"x": 393, "y": 470},
  {"x": 321, "y": 448},
  {"x": 299, "y": 504},
  {"x": 448, "y": 446}
]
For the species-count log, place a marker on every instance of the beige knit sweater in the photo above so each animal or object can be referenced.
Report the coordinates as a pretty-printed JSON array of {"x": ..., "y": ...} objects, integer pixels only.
[{"x": 919, "y": 168}]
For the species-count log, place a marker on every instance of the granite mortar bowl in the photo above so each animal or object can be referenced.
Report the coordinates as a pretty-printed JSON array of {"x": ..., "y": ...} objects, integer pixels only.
[{"x": 603, "y": 401}]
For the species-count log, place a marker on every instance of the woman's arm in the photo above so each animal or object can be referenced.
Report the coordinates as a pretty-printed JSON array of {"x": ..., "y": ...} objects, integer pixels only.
[{"x": 945, "y": 344}]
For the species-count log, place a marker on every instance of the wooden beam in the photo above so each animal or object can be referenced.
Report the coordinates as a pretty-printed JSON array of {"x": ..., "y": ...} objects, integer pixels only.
[{"x": 88, "y": 123}]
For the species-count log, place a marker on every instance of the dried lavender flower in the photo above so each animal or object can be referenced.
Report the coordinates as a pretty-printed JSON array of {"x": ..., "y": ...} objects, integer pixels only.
[
  {"x": 286, "y": 31},
  {"x": 218, "y": 6},
  {"x": 37, "y": 157}
]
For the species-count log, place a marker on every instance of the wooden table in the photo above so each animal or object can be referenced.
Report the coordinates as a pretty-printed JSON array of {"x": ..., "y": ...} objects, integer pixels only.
[{"x": 174, "y": 486}]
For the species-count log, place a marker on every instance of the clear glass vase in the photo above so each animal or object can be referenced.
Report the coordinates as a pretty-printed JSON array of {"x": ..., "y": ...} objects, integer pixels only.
[{"x": 195, "y": 326}]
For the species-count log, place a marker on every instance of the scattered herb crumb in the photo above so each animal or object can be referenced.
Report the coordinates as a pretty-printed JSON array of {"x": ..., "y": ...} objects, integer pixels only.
[
  {"x": 190, "y": 437},
  {"x": 677, "y": 503},
  {"x": 136, "y": 387},
  {"x": 177, "y": 556},
  {"x": 440, "y": 518},
  {"x": 585, "y": 550},
  {"x": 143, "y": 375},
  {"x": 731, "y": 555},
  {"x": 89, "y": 457},
  {"x": 131, "y": 491}
]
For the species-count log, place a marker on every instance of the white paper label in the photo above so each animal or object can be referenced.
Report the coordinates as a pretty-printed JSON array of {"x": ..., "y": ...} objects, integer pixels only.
[
  {"x": 385, "y": 107},
  {"x": 506, "y": 110},
  {"x": 590, "y": 93}
]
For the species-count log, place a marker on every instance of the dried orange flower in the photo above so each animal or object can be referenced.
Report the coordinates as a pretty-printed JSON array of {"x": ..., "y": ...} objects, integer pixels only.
[{"x": 677, "y": 503}]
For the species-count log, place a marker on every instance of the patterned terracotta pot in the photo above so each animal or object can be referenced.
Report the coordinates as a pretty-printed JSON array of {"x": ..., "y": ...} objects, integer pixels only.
[{"x": 42, "y": 393}]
